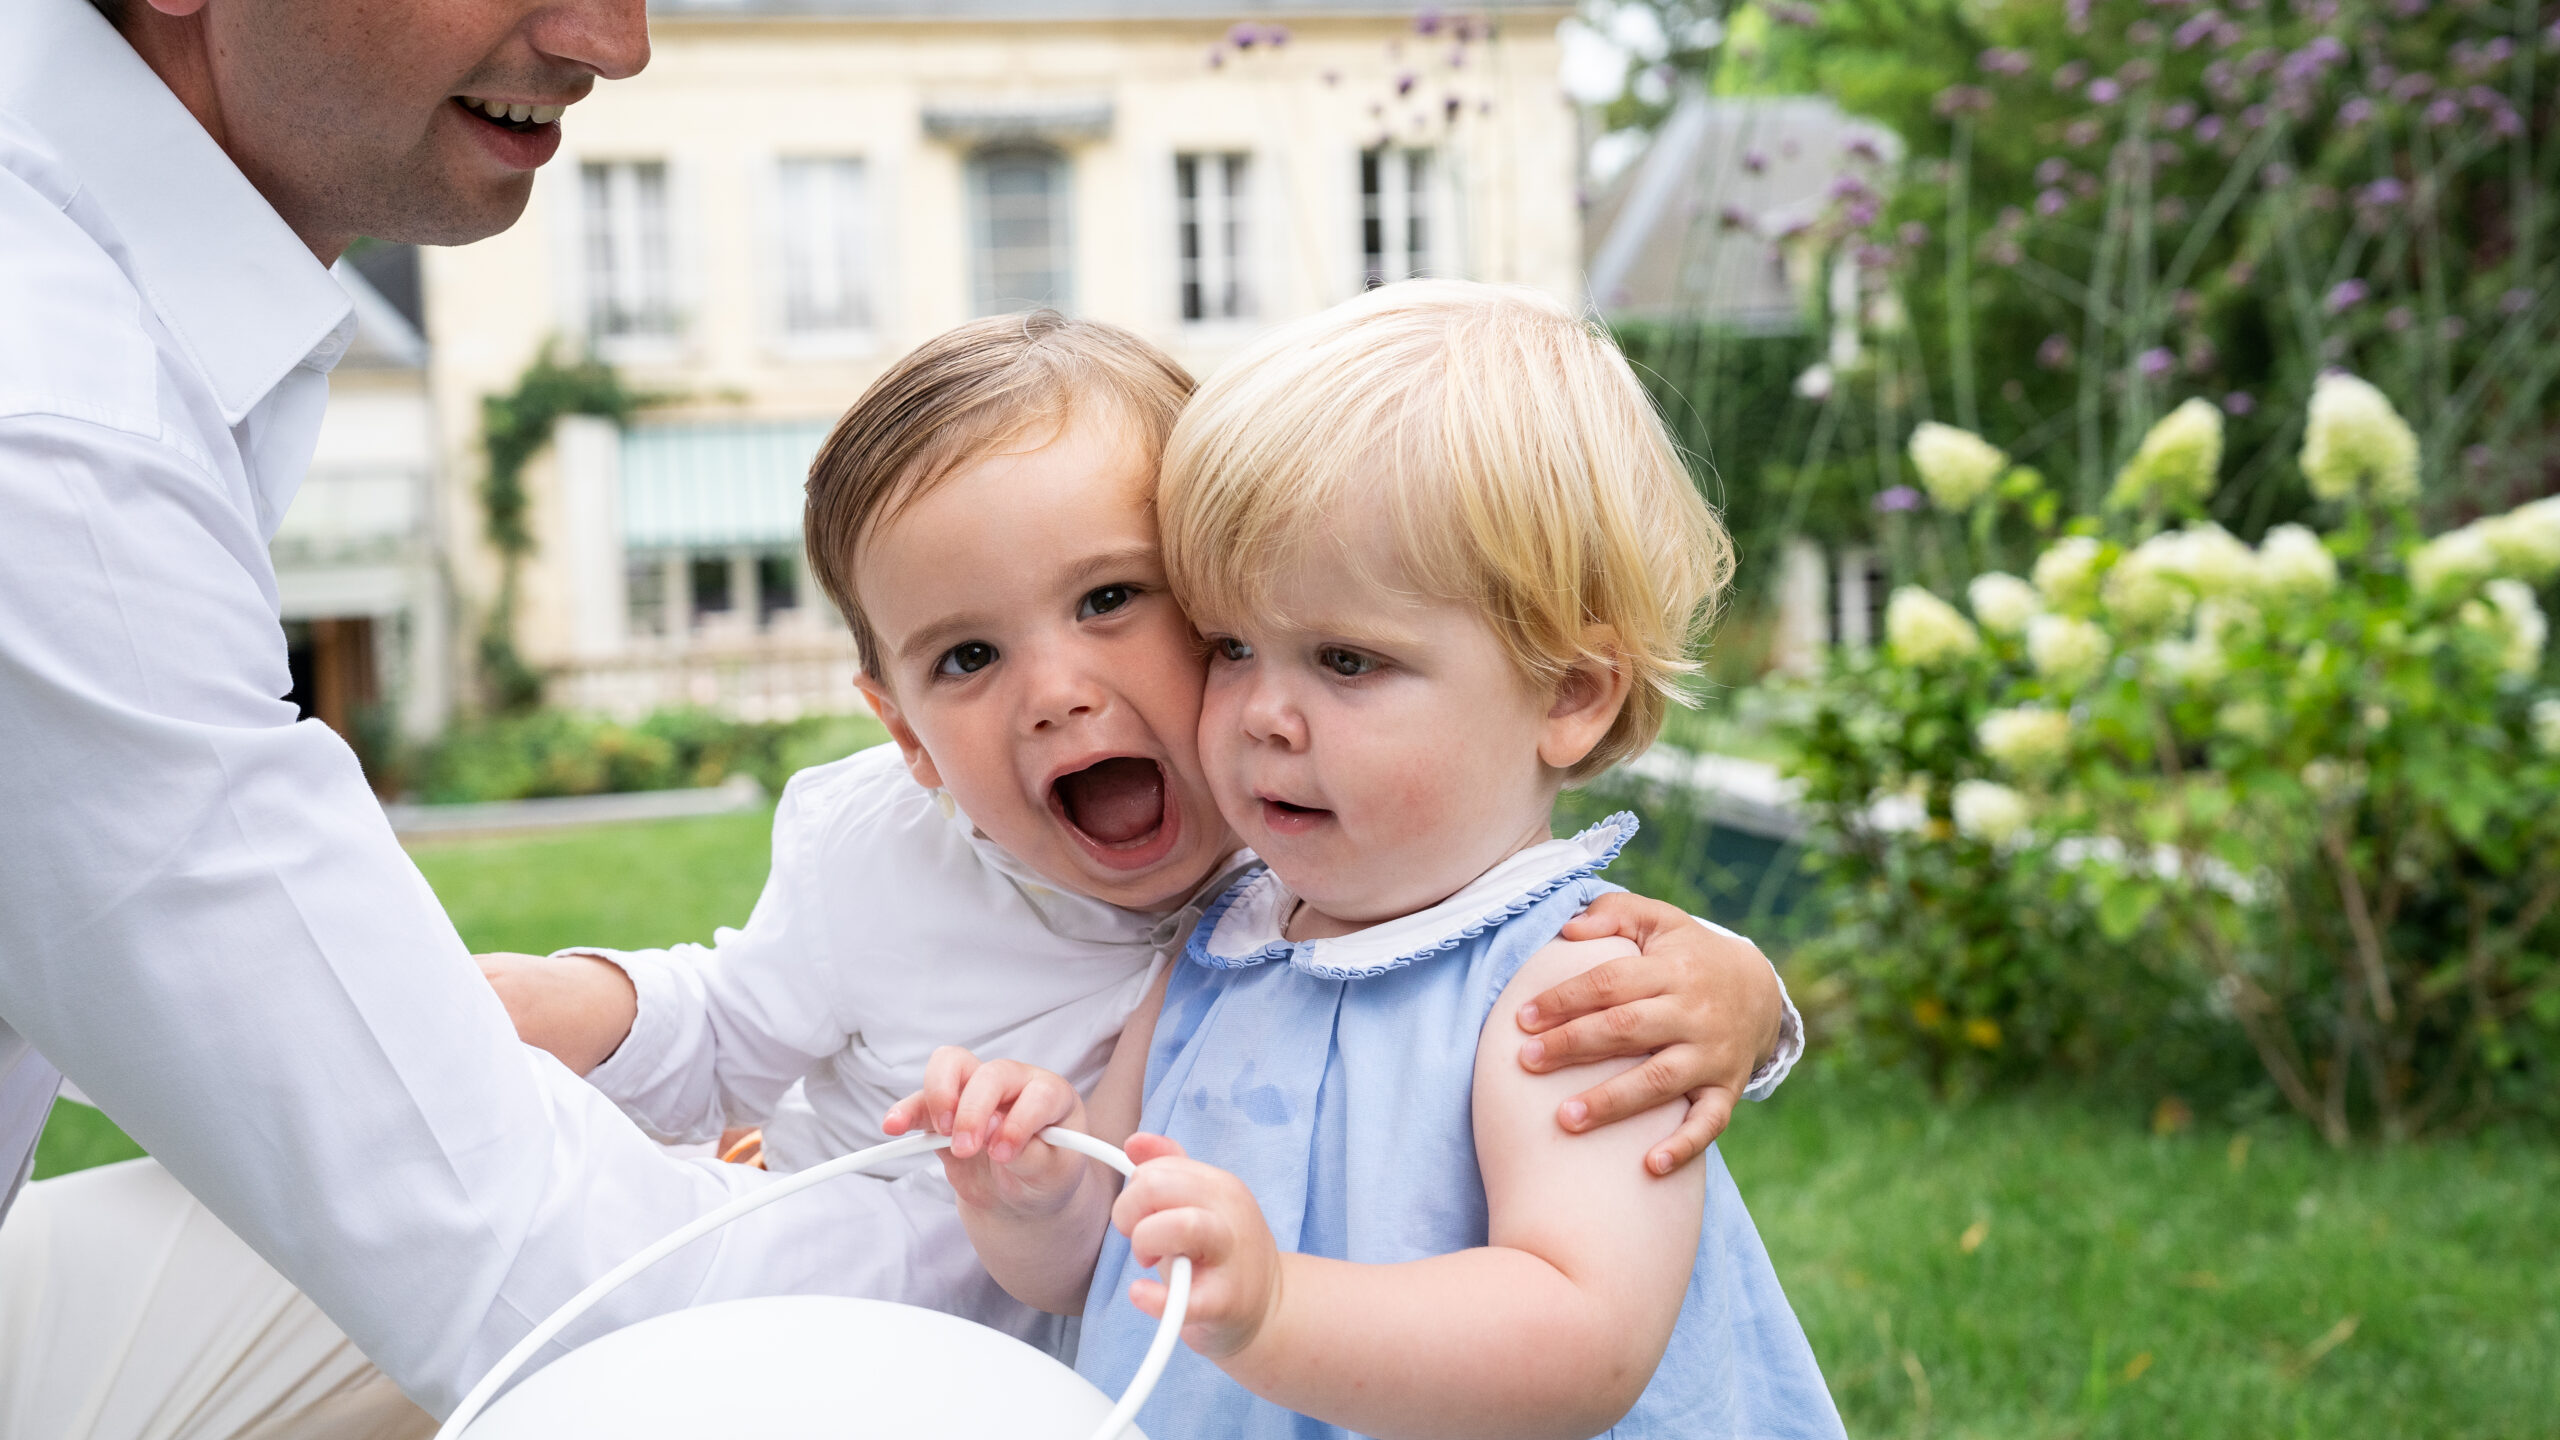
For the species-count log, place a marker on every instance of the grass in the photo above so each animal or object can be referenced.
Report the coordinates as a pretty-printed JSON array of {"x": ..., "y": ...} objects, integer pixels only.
[{"x": 2037, "y": 1265}]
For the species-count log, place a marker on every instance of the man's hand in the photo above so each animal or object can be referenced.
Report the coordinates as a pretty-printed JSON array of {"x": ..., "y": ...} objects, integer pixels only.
[
  {"x": 1176, "y": 1205},
  {"x": 1704, "y": 1006},
  {"x": 994, "y": 1111},
  {"x": 578, "y": 1007}
]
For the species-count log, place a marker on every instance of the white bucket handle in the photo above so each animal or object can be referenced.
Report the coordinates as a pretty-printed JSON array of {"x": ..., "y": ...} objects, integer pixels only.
[{"x": 1159, "y": 1351}]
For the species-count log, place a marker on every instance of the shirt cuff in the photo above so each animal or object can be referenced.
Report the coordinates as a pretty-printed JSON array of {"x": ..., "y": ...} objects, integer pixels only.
[
  {"x": 1772, "y": 1073},
  {"x": 628, "y": 1071}
]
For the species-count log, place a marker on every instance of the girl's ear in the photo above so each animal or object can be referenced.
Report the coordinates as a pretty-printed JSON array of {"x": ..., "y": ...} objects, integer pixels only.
[
  {"x": 1587, "y": 702},
  {"x": 885, "y": 705}
]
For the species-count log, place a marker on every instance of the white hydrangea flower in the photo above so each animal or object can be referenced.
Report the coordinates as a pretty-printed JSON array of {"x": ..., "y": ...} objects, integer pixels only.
[
  {"x": 2248, "y": 720},
  {"x": 2025, "y": 740},
  {"x": 2003, "y": 603},
  {"x": 2546, "y": 725},
  {"x": 2177, "y": 463},
  {"x": 2452, "y": 563},
  {"x": 1990, "y": 812},
  {"x": 1957, "y": 467},
  {"x": 2148, "y": 588},
  {"x": 2196, "y": 662},
  {"x": 2333, "y": 781},
  {"x": 2294, "y": 565},
  {"x": 2355, "y": 443},
  {"x": 2067, "y": 572},
  {"x": 2511, "y": 614},
  {"x": 1921, "y": 629},
  {"x": 2067, "y": 651},
  {"x": 2525, "y": 540}
]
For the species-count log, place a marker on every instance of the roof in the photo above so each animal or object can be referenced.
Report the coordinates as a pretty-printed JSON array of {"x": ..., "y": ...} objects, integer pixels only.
[
  {"x": 1699, "y": 223},
  {"x": 1073, "y": 11},
  {"x": 384, "y": 340}
]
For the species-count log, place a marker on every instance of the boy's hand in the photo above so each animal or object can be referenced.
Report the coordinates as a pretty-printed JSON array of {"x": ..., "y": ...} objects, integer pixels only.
[
  {"x": 994, "y": 1111},
  {"x": 1175, "y": 1205},
  {"x": 578, "y": 1007},
  {"x": 1704, "y": 1006}
]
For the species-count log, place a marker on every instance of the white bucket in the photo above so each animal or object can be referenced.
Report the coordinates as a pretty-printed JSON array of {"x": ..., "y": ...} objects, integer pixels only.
[{"x": 807, "y": 1367}]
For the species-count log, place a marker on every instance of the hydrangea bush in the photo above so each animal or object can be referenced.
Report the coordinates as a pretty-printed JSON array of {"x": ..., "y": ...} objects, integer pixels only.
[{"x": 2308, "y": 790}]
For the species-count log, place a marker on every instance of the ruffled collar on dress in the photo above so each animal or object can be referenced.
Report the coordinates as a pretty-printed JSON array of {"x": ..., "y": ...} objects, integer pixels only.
[{"x": 1244, "y": 927}]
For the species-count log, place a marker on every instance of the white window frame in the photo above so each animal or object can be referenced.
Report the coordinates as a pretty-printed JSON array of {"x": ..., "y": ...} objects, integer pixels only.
[
  {"x": 1215, "y": 227},
  {"x": 632, "y": 248},
  {"x": 1412, "y": 212},
  {"x": 1063, "y": 230},
  {"x": 858, "y": 234}
]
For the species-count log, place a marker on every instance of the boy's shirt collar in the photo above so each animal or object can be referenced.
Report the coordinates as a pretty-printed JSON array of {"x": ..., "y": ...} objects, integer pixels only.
[{"x": 1072, "y": 915}]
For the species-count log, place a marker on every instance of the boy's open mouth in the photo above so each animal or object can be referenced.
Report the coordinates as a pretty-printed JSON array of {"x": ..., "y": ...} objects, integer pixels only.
[{"x": 1118, "y": 808}]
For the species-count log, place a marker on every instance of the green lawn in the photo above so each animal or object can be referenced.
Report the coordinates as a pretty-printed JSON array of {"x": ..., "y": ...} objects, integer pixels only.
[{"x": 2040, "y": 1265}]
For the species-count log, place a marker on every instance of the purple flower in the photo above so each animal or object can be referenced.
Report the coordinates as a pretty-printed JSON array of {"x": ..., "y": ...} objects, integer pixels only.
[
  {"x": 2075, "y": 16},
  {"x": 1217, "y": 57},
  {"x": 2408, "y": 9},
  {"x": 2006, "y": 62},
  {"x": 1754, "y": 161},
  {"x": 2103, "y": 91},
  {"x": 2356, "y": 111},
  {"x": 1404, "y": 83},
  {"x": 2444, "y": 111},
  {"x": 1451, "y": 107},
  {"x": 1803, "y": 17},
  {"x": 1873, "y": 257},
  {"x": 1861, "y": 213},
  {"x": 2505, "y": 123},
  {"x": 1734, "y": 217},
  {"x": 2347, "y": 295},
  {"x": 2239, "y": 402},
  {"x": 2069, "y": 75},
  {"x": 1428, "y": 22},
  {"x": 1913, "y": 234},
  {"x": 1864, "y": 147},
  {"x": 2137, "y": 72},
  {"x": 1849, "y": 187},
  {"x": 2209, "y": 129},
  {"x": 2258, "y": 62},
  {"x": 1244, "y": 35},
  {"x": 1897, "y": 500},
  {"x": 2051, "y": 169},
  {"x": 2397, "y": 319},
  {"x": 2254, "y": 118},
  {"x": 2179, "y": 115},
  {"x": 1963, "y": 100},
  {"x": 1275, "y": 36},
  {"x": 2082, "y": 133},
  {"x": 2414, "y": 86},
  {"x": 2155, "y": 362},
  {"x": 2050, "y": 202},
  {"x": 2275, "y": 175},
  {"x": 2384, "y": 192},
  {"x": 2515, "y": 302},
  {"x": 2011, "y": 217},
  {"x": 2195, "y": 28},
  {"x": 2054, "y": 353},
  {"x": 2143, "y": 32}
]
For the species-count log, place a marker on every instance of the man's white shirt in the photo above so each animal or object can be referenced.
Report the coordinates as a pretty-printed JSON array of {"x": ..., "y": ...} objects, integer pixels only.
[{"x": 204, "y": 918}]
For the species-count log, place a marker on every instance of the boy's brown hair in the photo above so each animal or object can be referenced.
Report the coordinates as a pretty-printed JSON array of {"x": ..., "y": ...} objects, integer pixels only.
[{"x": 960, "y": 397}]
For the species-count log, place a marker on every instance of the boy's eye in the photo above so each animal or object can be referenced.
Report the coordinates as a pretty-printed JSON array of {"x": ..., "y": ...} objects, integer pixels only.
[
  {"x": 1105, "y": 600},
  {"x": 1227, "y": 647},
  {"x": 1349, "y": 664},
  {"x": 966, "y": 658}
]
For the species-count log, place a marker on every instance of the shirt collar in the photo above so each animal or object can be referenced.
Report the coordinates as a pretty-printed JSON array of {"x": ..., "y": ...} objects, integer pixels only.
[
  {"x": 237, "y": 288},
  {"x": 1246, "y": 926},
  {"x": 1074, "y": 916}
]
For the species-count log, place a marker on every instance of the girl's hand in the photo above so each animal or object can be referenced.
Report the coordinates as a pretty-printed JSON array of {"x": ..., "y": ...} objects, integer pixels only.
[
  {"x": 994, "y": 1112},
  {"x": 1175, "y": 1205},
  {"x": 1704, "y": 1006}
]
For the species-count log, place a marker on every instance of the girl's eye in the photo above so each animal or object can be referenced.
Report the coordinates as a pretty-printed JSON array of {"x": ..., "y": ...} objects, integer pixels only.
[
  {"x": 966, "y": 658},
  {"x": 1349, "y": 664},
  {"x": 1106, "y": 600},
  {"x": 1227, "y": 647}
]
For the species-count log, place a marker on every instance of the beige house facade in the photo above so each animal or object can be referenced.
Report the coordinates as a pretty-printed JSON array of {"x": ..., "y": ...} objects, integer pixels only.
[{"x": 795, "y": 192}]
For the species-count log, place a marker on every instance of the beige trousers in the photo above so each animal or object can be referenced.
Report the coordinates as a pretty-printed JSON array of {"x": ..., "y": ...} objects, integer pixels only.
[{"x": 127, "y": 1312}]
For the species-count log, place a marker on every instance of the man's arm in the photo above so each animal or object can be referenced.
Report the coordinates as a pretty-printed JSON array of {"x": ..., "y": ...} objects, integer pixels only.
[{"x": 206, "y": 923}]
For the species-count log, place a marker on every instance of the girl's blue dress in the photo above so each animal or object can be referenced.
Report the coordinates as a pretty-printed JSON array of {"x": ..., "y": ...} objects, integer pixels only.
[{"x": 1335, "y": 1078}]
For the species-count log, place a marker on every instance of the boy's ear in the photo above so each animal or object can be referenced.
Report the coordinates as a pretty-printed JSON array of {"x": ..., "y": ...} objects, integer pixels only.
[
  {"x": 883, "y": 704},
  {"x": 1586, "y": 703}
]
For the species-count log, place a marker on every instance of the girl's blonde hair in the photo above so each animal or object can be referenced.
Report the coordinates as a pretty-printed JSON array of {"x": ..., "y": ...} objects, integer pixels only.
[{"x": 1512, "y": 455}]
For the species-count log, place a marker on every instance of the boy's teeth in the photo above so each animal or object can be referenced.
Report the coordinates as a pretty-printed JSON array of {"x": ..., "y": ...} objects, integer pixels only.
[{"x": 517, "y": 113}]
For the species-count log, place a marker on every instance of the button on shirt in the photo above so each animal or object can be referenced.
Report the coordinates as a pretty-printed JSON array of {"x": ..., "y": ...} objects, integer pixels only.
[{"x": 204, "y": 919}]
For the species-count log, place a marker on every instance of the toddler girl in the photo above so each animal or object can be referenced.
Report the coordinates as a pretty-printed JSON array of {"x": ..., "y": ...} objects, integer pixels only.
[{"x": 1445, "y": 562}]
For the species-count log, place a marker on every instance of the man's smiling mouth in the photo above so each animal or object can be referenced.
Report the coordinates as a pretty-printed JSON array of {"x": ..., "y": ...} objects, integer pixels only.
[
  {"x": 1117, "y": 804},
  {"x": 522, "y": 118}
]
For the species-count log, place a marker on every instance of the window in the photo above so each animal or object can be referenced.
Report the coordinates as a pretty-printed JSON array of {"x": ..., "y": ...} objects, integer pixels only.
[
  {"x": 1210, "y": 215},
  {"x": 1395, "y": 214},
  {"x": 825, "y": 260},
  {"x": 1020, "y": 229},
  {"x": 712, "y": 592},
  {"x": 630, "y": 267}
]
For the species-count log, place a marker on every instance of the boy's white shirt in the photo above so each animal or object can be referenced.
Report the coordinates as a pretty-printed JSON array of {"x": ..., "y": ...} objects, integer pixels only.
[{"x": 889, "y": 927}]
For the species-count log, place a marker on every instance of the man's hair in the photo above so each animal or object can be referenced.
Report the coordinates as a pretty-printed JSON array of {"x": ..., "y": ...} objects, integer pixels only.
[
  {"x": 959, "y": 397},
  {"x": 1507, "y": 451}
]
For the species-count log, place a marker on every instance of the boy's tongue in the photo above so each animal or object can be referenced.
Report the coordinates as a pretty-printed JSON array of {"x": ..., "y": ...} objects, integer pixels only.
[{"x": 1116, "y": 801}]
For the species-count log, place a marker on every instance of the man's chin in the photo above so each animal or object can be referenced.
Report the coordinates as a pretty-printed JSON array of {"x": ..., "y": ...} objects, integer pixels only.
[{"x": 463, "y": 213}]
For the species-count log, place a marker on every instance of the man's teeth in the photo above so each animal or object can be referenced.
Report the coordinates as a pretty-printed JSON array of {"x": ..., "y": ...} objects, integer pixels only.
[{"x": 501, "y": 110}]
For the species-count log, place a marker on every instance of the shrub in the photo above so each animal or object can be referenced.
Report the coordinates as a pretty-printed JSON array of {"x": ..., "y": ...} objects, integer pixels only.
[
  {"x": 2314, "y": 784},
  {"x": 551, "y": 752}
]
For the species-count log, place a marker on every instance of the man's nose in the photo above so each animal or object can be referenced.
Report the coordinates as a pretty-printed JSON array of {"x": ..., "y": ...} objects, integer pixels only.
[{"x": 609, "y": 37}]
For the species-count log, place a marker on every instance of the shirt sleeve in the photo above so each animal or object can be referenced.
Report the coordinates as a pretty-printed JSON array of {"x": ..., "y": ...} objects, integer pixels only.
[
  {"x": 206, "y": 923},
  {"x": 724, "y": 1029}
]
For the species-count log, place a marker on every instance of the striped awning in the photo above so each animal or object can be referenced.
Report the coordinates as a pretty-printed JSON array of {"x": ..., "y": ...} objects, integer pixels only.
[{"x": 716, "y": 482}]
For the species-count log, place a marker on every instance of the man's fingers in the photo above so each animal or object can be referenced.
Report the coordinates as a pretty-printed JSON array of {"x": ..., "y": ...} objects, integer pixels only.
[
  {"x": 1710, "y": 1110},
  {"x": 1637, "y": 1028},
  {"x": 1601, "y": 987}
]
